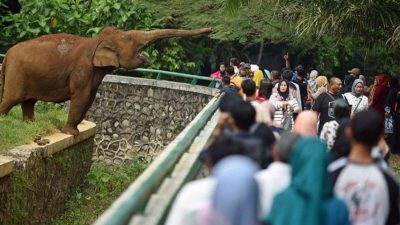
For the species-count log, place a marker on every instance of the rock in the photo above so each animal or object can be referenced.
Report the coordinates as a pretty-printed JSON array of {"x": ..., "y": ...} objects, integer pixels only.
[
  {"x": 150, "y": 93},
  {"x": 125, "y": 123}
]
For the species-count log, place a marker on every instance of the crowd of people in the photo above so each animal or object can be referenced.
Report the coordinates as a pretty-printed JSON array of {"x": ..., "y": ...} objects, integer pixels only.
[{"x": 294, "y": 147}]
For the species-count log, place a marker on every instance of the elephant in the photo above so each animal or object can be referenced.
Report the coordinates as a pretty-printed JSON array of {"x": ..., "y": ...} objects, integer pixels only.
[{"x": 61, "y": 67}]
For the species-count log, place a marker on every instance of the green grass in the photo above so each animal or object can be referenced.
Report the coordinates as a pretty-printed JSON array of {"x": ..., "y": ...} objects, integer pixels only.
[
  {"x": 103, "y": 185},
  {"x": 14, "y": 131}
]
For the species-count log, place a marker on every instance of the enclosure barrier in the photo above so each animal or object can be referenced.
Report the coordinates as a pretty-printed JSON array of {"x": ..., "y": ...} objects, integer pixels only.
[{"x": 133, "y": 201}]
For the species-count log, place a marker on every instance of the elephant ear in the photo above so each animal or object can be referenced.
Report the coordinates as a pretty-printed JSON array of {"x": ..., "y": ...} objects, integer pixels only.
[{"x": 105, "y": 55}]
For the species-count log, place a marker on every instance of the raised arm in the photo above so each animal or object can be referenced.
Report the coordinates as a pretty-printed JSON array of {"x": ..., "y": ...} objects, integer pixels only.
[{"x": 287, "y": 63}]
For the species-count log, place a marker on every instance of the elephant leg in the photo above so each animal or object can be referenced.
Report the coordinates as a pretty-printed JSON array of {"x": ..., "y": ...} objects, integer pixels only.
[
  {"x": 6, "y": 106},
  {"x": 79, "y": 102},
  {"x": 90, "y": 102},
  {"x": 28, "y": 107}
]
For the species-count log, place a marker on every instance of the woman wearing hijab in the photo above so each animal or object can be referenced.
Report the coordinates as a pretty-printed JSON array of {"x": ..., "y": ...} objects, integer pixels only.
[
  {"x": 311, "y": 86},
  {"x": 379, "y": 92},
  {"x": 309, "y": 198},
  {"x": 311, "y": 81},
  {"x": 236, "y": 194},
  {"x": 356, "y": 98},
  {"x": 284, "y": 103}
]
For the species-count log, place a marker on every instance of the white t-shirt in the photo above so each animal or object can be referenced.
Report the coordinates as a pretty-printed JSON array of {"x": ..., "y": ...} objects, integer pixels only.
[
  {"x": 272, "y": 181},
  {"x": 190, "y": 201},
  {"x": 370, "y": 192}
]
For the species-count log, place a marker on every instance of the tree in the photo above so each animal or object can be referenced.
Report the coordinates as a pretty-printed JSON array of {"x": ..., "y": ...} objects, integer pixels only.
[
  {"x": 370, "y": 20},
  {"x": 87, "y": 18}
]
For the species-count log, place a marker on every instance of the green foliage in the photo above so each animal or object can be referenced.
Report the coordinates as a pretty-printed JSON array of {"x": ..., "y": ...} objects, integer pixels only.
[
  {"x": 87, "y": 18},
  {"x": 14, "y": 131},
  {"x": 104, "y": 184}
]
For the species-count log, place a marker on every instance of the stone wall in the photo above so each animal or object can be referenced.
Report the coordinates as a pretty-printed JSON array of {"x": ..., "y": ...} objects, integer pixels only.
[
  {"x": 137, "y": 117},
  {"x": 36, "y": 181}
]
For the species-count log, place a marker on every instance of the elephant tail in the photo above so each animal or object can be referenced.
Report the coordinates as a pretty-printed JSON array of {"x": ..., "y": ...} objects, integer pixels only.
[{"x": 2, "y": 77}]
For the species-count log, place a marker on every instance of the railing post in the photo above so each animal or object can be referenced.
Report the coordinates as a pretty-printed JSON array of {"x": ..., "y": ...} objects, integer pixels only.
[
  {"x": 212, "y": 84},
  {"x": 194, "y": 81},
  {"x": 159, "y": 76}
]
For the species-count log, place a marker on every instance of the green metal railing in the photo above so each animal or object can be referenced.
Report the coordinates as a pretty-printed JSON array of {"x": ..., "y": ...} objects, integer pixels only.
[
  {"x": 195, "y": 78},
  {"x": 132, "y": 202},
  {"x": 160, "y": 74}
]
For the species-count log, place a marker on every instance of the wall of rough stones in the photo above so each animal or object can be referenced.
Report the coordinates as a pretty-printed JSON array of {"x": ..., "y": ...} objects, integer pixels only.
[{"x": 138, "y": 117}]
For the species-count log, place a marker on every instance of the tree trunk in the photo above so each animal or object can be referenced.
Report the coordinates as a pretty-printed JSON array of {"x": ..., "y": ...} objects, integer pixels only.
[{"x": 260, "y": 52}]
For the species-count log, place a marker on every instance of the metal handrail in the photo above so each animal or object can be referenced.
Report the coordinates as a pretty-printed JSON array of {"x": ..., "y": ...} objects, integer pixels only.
[
  {"x": 135, "y": 197},
  {"x": 194, "y": 78},
  {"x": 161, "y": 73}
]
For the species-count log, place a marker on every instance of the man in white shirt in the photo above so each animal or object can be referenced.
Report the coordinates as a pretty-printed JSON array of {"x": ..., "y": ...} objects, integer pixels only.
[{"x": 277, "y": 176}]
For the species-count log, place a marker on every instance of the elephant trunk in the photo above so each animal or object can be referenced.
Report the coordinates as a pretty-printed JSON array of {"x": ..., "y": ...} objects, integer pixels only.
[{"x": 145, "y": 37}]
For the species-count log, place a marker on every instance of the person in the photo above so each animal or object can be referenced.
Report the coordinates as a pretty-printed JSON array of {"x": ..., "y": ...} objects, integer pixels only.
[
  {"x": 309, "y": 198},
  {"x": 248, "y": 72},
  {"x": 234, "y": 62},
  {"x": 371, "y": 192},
  {"x": 305, "y": 124},
  {"x": 226, "y": 86},
  {"x": 220, "y": 73},
  {"x": 392, "y": 110},
  {"x": 289, "y": 75},
  {"x": 366, "y": 88},
  {"x": 294, "y": 89},
  {"x": 284, "y": 105},
  {"x": 258, "y": 77},
  {"x": 275, "y": 77},
  {"x": 250, "y": 91},
  {"x": 302, "y": 83},
  {"x": 236, "y": 194},
  {"x": 349, "y": 79},
  {"x": 242, "y": 73},
  {"x": 237, "y": 119},
  {"x": 276, "y": 177},
  {"x": 321, "y": 84},
  {"x": 265, "y": 90},
  {"x": 356, "y": 98},
  {"x": 196, "y": 195},
  {"x": 311, "y": 87},
  {"x": 324, "y": 103},
  {"x": 236, "y": 81},
  {"x": 379, "y": 92},
  {"x": 342, "y": 112}
]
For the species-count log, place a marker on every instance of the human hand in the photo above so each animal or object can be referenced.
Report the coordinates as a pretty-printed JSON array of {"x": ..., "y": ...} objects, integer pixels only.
[{"x": 286, "y": 56}]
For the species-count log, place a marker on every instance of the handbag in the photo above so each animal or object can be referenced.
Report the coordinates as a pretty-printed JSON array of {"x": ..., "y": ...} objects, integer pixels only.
[
  {"x": 287, "y": 121},
  {"x": 389, "y": 124}
]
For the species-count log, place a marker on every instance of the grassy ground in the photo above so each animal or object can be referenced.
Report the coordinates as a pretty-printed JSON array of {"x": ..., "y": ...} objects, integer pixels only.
[
  {"x": 14, "y": 132},
  {"x": 103, "y": 185}
]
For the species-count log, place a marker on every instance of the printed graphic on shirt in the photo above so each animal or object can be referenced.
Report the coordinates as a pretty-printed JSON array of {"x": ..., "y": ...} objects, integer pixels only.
[
  {"x": 365, "y": 192},
  {"x": 331, "y": 112}
]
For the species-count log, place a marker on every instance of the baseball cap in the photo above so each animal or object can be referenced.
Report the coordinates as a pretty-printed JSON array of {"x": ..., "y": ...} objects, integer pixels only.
[{"x": 355, "y": 71}]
